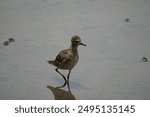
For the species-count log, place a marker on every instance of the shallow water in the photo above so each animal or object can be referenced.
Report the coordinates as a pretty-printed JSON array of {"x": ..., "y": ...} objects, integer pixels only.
[{"x": 110, "y": 67}]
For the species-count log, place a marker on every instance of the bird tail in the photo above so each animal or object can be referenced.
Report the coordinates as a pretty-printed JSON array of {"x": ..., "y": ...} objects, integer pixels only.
[{"x": 51, "y": 62}]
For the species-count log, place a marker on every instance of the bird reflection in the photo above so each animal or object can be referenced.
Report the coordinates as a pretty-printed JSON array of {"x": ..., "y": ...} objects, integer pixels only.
[{"x": 61, "y": 94}]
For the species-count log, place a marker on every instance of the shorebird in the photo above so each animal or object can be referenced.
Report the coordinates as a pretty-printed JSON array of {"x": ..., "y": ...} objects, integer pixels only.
[{"x": 67, "y": 58}]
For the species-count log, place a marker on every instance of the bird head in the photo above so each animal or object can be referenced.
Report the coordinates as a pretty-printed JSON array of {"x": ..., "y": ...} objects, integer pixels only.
[{"x": 76, "y": 40}]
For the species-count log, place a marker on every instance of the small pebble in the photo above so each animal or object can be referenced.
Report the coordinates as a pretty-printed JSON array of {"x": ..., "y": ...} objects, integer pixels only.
[
  {"x": 127, "y": 19},
  {"x": 6, "y": 43},
  {"x": 11, "y": 39},
  {"x": 144, "y": 59}
]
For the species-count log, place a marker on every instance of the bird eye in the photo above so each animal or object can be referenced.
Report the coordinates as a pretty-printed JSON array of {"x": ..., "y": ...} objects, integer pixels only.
[{"x": 76, "y": 41}]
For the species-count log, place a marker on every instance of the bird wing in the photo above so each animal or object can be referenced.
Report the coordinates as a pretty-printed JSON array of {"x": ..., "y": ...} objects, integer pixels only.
[{"x": 64, "y": 57}]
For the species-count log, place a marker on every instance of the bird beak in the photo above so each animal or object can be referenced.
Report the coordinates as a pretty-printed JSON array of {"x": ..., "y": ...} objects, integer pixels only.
[{"x": 82, "y": 44}]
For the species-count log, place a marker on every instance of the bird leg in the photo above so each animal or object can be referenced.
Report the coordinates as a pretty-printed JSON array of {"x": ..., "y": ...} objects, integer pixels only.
[
  {"x": 68, "y": 87},
  {"x": 68, "y": 80},
  {"x": 68, "y": 76},
  {"x": 63, "y": 78}
]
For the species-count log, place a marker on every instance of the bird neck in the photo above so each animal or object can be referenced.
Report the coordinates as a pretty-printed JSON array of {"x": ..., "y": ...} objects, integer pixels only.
[{"x": 74, "y": 48}]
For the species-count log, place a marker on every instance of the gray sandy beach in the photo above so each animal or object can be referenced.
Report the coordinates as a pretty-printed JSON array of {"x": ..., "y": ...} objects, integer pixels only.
[{"x": 117, "y": 35}]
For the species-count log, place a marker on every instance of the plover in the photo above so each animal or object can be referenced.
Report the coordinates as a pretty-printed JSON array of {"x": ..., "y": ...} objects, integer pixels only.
[{"x": 67, "y": 58}]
